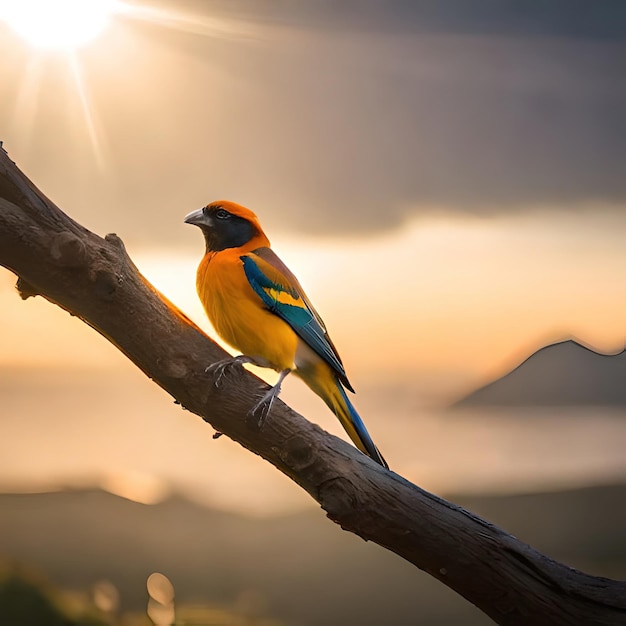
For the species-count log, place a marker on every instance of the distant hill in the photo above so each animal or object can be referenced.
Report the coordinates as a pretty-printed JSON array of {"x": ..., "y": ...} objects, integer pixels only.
[
  {"x": 564, "y": 373},
  {"x": 302, "y": 567},
  {"x": 307, "y": 571}
]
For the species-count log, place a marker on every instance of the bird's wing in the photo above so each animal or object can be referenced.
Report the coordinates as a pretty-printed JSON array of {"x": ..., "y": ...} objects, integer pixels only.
[{"x": 282, "y": 294}]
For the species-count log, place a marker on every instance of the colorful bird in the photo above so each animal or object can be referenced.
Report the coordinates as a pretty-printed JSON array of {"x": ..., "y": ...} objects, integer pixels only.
[{"x": 258, "y": 306}]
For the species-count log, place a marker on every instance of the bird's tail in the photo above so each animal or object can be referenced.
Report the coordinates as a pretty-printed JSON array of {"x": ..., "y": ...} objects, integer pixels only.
[{"x": 327, "y": 386}]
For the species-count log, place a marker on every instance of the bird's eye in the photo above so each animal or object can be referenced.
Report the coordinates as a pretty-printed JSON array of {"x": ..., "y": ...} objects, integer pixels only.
[{"x": 222, "y": 214}]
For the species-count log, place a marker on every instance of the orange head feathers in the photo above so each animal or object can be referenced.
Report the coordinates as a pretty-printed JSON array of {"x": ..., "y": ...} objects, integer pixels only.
[{"x": 226, "y": 224}]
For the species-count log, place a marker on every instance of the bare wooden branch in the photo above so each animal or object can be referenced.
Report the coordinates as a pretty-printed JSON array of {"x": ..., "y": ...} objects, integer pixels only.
[{"x": 94, "y": 279}]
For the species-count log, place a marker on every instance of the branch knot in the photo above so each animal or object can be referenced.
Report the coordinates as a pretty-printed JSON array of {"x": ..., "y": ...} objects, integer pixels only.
[
  {"x": 298, "y": 453},
  {"x": 68, "y": 250}
]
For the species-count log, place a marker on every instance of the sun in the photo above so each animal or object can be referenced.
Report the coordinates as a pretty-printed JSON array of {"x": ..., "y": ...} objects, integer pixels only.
[{"x": 58, "y": 24}]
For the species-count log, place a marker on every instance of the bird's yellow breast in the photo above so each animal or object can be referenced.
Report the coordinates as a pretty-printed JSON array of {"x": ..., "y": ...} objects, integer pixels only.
[{"x": 238, "y": 314}]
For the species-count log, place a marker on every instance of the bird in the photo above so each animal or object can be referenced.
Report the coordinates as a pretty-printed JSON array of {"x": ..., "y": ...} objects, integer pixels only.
[{"x": 258, "y": 307}]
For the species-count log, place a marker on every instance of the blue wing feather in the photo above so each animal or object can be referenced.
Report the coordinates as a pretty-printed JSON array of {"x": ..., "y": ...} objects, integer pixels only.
[{"x": 301, "y": 316}]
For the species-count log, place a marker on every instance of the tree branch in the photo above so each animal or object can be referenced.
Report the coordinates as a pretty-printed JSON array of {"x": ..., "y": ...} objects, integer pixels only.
[{"x": 95, "y": 280}]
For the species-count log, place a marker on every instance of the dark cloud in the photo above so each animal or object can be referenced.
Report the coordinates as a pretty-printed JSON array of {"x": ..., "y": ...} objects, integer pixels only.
[
  {"x": 601, "y": 19},
  {"x": 358, "y": 115}
]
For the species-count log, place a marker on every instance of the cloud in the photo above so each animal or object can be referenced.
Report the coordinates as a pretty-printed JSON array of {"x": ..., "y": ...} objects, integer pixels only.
[
  {"x": 355, "y": 116},
  {"x": 475, "y": 115},
  {"x": 605, "y": 19}
]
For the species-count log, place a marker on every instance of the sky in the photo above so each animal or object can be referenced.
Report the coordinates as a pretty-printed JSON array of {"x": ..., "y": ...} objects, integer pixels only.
[{"x": 447, "y": 179}]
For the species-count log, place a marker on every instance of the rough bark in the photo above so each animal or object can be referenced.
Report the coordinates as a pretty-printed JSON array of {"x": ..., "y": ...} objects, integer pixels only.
[{"x": 94, "y": 279}]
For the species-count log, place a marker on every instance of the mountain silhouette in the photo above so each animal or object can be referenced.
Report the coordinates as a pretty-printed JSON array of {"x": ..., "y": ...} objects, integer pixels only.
[{"x": 562, "y": 374}]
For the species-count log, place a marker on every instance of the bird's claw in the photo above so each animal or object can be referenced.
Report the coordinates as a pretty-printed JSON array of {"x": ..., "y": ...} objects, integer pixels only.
[
  {"x": 258, "y": 414},
  {"x": 220, "y": 368}
]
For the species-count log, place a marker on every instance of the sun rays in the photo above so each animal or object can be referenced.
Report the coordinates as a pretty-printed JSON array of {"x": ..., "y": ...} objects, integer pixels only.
[
  {"x": 63, "y": 37},
  {"x": 192, "y": 24}
]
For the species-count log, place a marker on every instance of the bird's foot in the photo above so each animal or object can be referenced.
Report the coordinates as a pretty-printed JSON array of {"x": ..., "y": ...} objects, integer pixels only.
[
  {"x": 258, "y": 414},
  {"x": 220, "y": 368}
]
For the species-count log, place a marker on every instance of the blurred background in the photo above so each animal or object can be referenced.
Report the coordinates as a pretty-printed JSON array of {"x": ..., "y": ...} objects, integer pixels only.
[{"x": 447, "y": 180}]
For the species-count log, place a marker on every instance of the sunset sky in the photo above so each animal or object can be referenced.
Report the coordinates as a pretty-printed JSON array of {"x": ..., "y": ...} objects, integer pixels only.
[{"x": 448, "y": 183}]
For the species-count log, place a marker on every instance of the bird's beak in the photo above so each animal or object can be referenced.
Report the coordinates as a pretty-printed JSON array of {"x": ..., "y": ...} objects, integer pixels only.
[{"x": 197, "y": 218}]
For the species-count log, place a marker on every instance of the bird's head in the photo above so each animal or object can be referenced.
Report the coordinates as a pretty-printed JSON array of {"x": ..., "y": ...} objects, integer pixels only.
[{"x": 226, "y": 224}]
